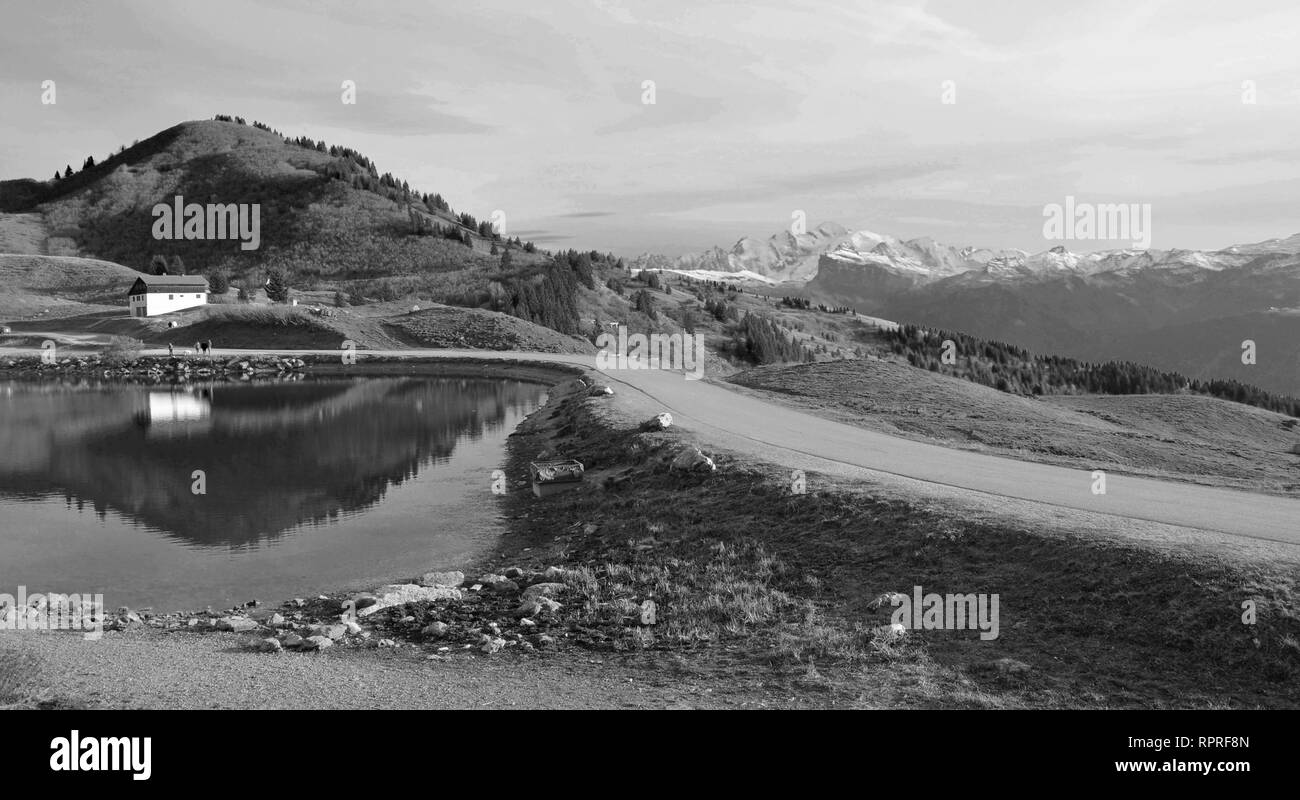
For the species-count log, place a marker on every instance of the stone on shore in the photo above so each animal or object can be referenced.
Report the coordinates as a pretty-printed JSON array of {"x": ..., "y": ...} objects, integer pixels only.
[
  {"x": 435, "y": 630},
  {"x": 401, "y": 593},
  {"x": 543, "y": 590},
  {"x": 236, "y": 624},
  {"x": 537, "y": 606},
  {"x": 334, "y": 632},
  {"x": 499, "y": 584},
  {"x": 450, "y": 579}
]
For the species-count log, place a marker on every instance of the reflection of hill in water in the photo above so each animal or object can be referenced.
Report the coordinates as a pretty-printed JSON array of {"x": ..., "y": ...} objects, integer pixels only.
[{"x": 274, "y": 456}]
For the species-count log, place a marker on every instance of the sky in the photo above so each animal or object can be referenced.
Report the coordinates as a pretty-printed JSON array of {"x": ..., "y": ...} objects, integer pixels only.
[{"x": 955, "y": 119}]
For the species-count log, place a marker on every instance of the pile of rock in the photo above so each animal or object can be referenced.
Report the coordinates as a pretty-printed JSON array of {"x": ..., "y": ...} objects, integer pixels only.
[
  {"x": 494, "y": 611},
  {"x": 156, "y": 369},
  {"x": 519, "y": 609}
]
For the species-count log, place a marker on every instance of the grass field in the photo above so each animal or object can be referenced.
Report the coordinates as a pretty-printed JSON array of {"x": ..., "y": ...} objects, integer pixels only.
[
  {"x": 24, "y": 234},
  {"x": 51, "y": 286},
  {"x": 1178, "y": 437},
  {"x": 743, "y": 571}
]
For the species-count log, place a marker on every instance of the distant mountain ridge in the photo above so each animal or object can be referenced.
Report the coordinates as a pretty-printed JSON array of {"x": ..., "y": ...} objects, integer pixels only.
[
  {"x": 787, "y": 257},
  {"x": 1176, "y": 309}
]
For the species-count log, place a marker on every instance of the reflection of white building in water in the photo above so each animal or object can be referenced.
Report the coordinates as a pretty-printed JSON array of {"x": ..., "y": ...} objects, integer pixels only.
[
  {"x": 177, "y": 406},
  {"x": 175, "y": 413}
]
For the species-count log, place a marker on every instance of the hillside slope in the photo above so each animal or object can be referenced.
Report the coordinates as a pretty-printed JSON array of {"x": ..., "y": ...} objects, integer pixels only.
[
  {"x": 55, "y": 286},
  {"x": 325, "y": 212},
  {"x": 24, "y": 234},
  {"x": 1177, "y": 437}
]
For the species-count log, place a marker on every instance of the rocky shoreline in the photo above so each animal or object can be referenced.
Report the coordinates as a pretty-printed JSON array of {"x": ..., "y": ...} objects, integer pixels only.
[
  {"x": 439, "y": 611},
  {"x": 155, "y": 369}
]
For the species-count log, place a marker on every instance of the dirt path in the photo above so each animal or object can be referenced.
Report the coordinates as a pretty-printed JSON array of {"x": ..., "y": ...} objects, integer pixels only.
[{"x": 153, "y": 669}]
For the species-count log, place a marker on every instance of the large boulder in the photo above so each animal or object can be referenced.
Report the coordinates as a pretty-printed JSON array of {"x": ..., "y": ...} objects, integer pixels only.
[
  {"x": 692, "y": 459},
  {"x": 267, "y": 645},
  {"x": 401, "y": 593},
  {"x": 499, "y": 584},
  {"x": 659, "y": 422}
]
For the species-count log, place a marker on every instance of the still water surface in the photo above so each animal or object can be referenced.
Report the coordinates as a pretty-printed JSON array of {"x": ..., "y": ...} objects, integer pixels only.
[{"x": 307, "y": 486}]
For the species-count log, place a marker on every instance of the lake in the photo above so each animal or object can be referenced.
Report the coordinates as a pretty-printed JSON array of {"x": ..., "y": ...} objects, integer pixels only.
[{"x": 178, "y": 498}]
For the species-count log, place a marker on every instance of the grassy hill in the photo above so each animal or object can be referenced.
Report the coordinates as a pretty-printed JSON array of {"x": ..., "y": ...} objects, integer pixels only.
[
  {"x": 24, "y": 234},
  {"x": 55, "y": 286},
  {"x": 1174, "y": 436},
  {"x": 331, "y": 226},
  {"x": 315, "y": 221}
]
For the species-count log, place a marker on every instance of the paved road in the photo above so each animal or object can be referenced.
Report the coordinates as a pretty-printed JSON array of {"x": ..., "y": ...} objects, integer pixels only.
[{"x": 736, "y": 422}]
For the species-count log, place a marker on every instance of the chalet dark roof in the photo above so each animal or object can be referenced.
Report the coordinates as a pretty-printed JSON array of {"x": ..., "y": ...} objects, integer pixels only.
[{"x": 155, "y": 284}]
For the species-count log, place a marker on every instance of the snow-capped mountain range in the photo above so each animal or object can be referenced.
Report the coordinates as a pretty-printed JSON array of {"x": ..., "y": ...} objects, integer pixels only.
[
  {"x": 1186, "y": 310},
  {"x": 797, "y": 258}
]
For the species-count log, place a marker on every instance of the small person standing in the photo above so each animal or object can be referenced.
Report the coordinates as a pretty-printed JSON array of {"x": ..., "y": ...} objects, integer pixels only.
[{"x": 170, "y": 351}]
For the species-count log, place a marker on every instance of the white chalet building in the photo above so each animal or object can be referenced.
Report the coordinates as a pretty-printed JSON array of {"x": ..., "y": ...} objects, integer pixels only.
[{"x": 151, "y": 295}]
